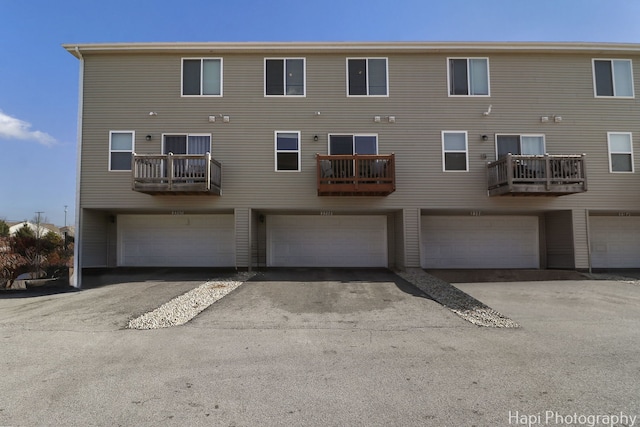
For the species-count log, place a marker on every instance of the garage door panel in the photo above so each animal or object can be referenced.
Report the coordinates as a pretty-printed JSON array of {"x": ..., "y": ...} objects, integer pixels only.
[
  {"x": 176, "y": 241},
  {"x": 615, "y": 241},
  {"x": 327, "y": 241},
  {"x": 480, "y": 242}
]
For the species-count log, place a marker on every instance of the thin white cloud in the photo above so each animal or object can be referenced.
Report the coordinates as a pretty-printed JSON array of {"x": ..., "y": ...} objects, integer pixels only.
[{"x": 12, "y": 128}]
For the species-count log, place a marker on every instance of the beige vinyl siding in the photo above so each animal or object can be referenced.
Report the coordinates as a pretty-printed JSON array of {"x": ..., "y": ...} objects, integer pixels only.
[
  {"x": 399, "y": 251},
  {"x": 95, "y": 238},
  {"x": 580, "y": 239},
  {"x": 243, "y": 237},
  {"x": 558, "y": 237},
  {"x": 121, "y": 89},
  {"x": 411, "y": 219}
]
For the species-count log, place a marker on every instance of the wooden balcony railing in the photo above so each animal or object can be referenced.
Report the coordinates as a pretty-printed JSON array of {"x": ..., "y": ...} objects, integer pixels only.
[
  {"x": 356, "y": 175},
  {"x": 176, "y": 174},
  {"x": 537, "y": 175}
]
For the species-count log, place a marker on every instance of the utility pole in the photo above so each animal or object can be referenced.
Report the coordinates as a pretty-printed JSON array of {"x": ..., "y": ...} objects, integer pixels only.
[
  {"x": 38, "y": 253},
  {"x": 38, "y": 224},
  {"x": 65, "y": 228}
]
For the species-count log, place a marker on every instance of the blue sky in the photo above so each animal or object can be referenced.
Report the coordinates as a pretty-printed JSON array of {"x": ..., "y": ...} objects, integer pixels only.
[{"x": 39, "y": 79}]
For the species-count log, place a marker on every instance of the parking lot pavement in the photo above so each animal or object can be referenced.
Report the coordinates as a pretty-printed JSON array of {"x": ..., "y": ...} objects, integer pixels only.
[
  {"x": 314, "y": 351},
  {"x": 106, "y": 302}
]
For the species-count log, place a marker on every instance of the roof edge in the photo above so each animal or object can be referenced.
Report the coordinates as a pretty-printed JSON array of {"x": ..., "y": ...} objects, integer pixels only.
[{"x": 158, "y": 47}]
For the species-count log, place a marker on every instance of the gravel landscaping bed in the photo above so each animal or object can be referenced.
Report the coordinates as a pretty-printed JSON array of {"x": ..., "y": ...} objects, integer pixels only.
[
  {"x": 615, "y": 277},
  {"x": 185, "y": 307},
  {"x": 462, "y": 304}
]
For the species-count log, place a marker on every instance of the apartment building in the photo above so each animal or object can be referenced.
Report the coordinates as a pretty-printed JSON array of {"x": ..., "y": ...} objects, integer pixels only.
[{"x": 433, "y": 155}]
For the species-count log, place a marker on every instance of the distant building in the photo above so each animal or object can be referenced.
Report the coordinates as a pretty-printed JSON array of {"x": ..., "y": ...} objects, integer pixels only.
[{"x": 43, "y": 230}]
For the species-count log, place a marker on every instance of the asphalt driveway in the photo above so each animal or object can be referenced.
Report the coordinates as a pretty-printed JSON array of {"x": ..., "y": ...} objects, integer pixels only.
[
  {"x": 327, "y": 298},
  {"x": 338, "y": 347}
]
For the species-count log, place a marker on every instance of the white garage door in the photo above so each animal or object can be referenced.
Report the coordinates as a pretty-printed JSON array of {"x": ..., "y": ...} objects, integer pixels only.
[
  {"x": 615, "y": 241},
  {"x": 176, "y": 240},
  {"x": 327, "y": 241},
  {"x": 480, "y": 242}
]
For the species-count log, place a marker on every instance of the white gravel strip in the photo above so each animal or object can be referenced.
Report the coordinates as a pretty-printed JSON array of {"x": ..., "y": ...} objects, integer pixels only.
[
  {"x": 462, "y": 304},
  {"x": 185, "y": 307},
  {"x": 614, "y": 277}
]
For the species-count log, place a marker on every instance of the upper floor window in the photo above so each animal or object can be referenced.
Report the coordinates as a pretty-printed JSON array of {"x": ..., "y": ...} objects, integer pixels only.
[
  {"x": 120, "y": 150},
  {"x": 353, "y": 144},
  {"x": 284, "y": 77},
  {"x": 519, "y": 144},
  {"x": 620, "y": 152},
  {"x": 468, "y": 76},
  {"x": 202, "y": 76},
  {"x": 613, "y": 77},
  {"x": 186, "y": 143},
  {"x": 454, "y": 151},
  {"x": 287, "y": 151},
  {"x": 367, "y": 77}
]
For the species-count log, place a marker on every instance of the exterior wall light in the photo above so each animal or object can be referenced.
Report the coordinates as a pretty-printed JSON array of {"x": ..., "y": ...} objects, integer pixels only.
[
  {"x": 315, "y": 138},
  {"x": 148, "y": 137},
  {"x": 485, "y": 137}
]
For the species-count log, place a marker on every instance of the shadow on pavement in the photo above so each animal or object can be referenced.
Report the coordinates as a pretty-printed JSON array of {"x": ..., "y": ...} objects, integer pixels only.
[{"x": 343, "y": 275}]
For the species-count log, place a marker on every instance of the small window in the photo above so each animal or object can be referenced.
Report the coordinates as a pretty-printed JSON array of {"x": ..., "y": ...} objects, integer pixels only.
[
  {"x": 367, "y": 77},
  {"x": 613, "y": 78},
  {"x": 468, "y": 76},
  {"x": 202, "y": 77},
  {"x": 620, "y": 152},
  {"x": 120, "y": 150},
  {"x": 454, "y": 151},
  {"x": 287, "y": 151},
  {"x": 284, "y": 77}
]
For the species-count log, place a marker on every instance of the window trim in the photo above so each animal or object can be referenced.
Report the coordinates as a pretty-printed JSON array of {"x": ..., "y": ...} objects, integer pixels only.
[
  {"x": 620, "y": 152},
  {"x": 542, "y": 135},
  {"x": 276, "y": 151},
  {"x": 284, "y": 77},
  {"x": 466, "y": 150},
  {"x": 133, "y": 145},
  {"x": 353, "y": 135},
  {"x": 467, "y": 58},
  {"x": 201, "y": 75},
  {"x": 367, "y": 58},
  {"x": 595, "y": 87}
]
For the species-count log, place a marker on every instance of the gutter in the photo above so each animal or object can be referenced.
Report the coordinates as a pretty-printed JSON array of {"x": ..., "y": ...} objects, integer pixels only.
[
  {"x": 593, "y": 48},
  {"x": 76, "y": 278}
]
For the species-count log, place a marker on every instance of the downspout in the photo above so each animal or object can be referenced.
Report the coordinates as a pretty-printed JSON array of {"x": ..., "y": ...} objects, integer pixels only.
[
  {"x": 76, "y": 279},
  {"x": 586, "y": 217}
]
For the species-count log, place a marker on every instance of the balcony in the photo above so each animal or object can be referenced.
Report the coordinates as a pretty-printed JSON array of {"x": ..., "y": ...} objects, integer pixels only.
[
  {"x": 537, "y": 175},
  {"x": 356, "y": 175},
  {"x": 176, "y": 174}
]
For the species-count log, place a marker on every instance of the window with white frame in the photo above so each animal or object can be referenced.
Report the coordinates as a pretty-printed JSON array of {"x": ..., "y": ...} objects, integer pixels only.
[
  {"x": 613, "y": 78},
  {"x": 284, "y": 77},
  {"x": 620, "y": 151},
  {"x": 468, "y": 76},
  {"x": 120, "y": 150},
  {"x": 454, "y": 151},
  {"x": 519, "y": 145},
  {"x": 287, "y": 145},
  {"x": 367, "y": 77},
  {"x": 202, "y": 77}
]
